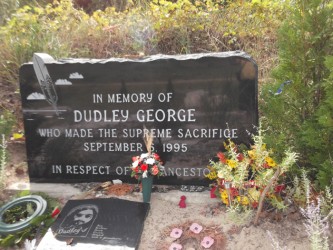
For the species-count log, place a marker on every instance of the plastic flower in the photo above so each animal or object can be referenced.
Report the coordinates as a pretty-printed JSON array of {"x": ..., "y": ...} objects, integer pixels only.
[
  {"x": 195, "y": 228},
  {"x": 270, "y": 162},
  {"x": 233, "y": 192},
  {"x": 150, "y": 161},
  {"x": 232, "y": 163},
  {"x": 207, "y": 242},
  {"x": 154, "y": 170},
  {"x": 55, "y": 212},
  {"x": 212, "y": 175},
  {"x": 252, "y": 154},
  {"x": 144, "y": 167},
  {"x": 243, "y": 200},
  {"x": 135, "y": 163},
  {"x": 142, "y": 156},
  {"x": 221, "y": 156},
  {"x": 135, "y": 158},
  {"x": 156, "y": 157},
  {"x": 225, "y": 197},
  {"x": 176, "y": 233},
  {"x": 175, "y": 246}
]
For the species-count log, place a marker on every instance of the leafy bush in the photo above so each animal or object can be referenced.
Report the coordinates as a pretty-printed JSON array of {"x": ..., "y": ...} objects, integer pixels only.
[
  {"x": 300, "y": 113},
  {"x": 143, "y": 28}
]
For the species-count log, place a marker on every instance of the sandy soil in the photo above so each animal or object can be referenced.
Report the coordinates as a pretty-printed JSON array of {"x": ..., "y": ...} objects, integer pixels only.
[{"x": 228, "y": 232}]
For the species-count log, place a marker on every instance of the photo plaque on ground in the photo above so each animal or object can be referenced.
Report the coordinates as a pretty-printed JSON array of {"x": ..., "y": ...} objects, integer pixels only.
[
  {"x": 111, "y": 221},
  {"x": 85, "y": 118}
]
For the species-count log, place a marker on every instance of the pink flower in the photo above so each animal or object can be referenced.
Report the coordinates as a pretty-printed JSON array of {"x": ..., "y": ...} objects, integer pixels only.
[
  {"x": 175, "y": 246},
  {"x": 157, "y": 157},
  {"x": 135, "y": 158},
  {"x": 154, "y": 170},
  {"x": 207, "y": 242},
  {"x": 176, "y": 233},
  {"x": 195, "y": 228}
]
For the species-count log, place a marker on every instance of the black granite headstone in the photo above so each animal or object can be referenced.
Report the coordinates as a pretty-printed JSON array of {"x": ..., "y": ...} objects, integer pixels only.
[
  {"x": 85, "y": 119},
  {"x": 102, "y": 221}
]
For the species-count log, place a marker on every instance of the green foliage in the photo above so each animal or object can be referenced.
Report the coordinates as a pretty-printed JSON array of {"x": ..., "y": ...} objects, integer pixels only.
[
  {"x": 300, "y": 116},
  {"x": 37, "y": 29},
  {"x": 300, "y": 189},
  {"x": 327, "y": 203},
  {"x": 143, "y": 28},
  {"x": 6, "y": 8},
  {"x": 318, "y": 132},
  {"x": 6, "y": 122},
  {"x": 3, "y": 162}
]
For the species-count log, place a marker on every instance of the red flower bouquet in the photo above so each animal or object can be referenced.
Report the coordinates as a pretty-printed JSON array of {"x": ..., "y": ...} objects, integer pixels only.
[{"x": 148, "y": 164}]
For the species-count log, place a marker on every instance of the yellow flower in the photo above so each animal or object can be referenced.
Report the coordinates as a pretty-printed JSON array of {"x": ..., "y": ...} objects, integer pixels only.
[
  {"x": 212, "y": 175},
  {"x": 270, "y": 161},
  {"x": 232, "y": 163},
  {"x": 224, "y": 196},
  {"x": 252, "y": 154},
  {"x": 243, "y": 200}
]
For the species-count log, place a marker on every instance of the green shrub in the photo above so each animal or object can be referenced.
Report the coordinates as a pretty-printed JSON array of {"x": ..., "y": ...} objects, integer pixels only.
[
  {"x": 300, "y": 116},
  {"x": 318, "y": 133}
]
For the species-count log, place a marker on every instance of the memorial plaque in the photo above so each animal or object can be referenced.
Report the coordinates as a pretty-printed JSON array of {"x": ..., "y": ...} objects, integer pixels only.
[
  {"x": 85, "y": 118},
  {"x": 109, "y": 221}
]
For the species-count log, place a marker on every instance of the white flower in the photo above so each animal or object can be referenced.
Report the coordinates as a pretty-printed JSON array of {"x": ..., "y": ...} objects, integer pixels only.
[
  {"x": 145, "y": 174},
  {"x": 135, "y": 164},
  {"x": 142, "y": 156},
  {"x": 150, "y": 161}
]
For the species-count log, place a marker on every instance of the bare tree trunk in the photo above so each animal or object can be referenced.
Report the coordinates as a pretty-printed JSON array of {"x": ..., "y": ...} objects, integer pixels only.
[{"x": 263, "y": 194}]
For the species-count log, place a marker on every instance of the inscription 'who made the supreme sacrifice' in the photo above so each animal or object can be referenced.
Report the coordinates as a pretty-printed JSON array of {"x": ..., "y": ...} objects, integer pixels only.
[{"x": 88, "y": 118}]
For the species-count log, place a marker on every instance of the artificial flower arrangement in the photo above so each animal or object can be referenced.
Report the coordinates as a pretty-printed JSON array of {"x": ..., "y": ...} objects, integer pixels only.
[
  {"x": 147, "y": 164},
  {"x": 245, "y": 177}
]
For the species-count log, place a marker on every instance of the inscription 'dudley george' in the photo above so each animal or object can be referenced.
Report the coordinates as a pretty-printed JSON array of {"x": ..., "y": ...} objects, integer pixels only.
[{"x": 85, "y": 119}]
